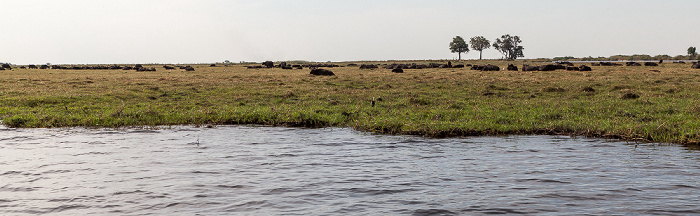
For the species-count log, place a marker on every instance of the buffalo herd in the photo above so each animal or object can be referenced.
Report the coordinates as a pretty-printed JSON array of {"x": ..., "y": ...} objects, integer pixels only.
[{"x": 137, "y": 67}]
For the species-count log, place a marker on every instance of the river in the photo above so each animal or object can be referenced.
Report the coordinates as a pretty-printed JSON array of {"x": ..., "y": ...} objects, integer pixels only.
[{"x": 257, "y": 170}]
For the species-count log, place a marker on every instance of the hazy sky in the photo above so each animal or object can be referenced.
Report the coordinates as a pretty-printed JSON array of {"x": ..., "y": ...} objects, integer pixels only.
[{"x": 202, "y": 31}]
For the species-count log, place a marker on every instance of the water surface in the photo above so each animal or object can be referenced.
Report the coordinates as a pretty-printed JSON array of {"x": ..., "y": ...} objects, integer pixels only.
[{"x": 250, "y": 170}]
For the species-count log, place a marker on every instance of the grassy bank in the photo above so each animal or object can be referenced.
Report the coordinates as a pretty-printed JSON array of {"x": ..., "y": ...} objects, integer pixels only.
[{"x": 430, "y": 102}]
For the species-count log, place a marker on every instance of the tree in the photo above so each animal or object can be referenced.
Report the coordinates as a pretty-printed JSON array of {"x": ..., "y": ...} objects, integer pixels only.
[
  {"x": 691, "y": 51},
  {"x": 508, "y": 46},
  {"x": 459, "y": 46},
  {"x": 480, "y": 43}
]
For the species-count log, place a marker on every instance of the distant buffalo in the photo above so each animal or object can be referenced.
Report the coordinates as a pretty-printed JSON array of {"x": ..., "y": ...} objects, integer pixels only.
[
  {"x": 368, "y": 66},
  {"x": 32, "y": 67},
  {"x": 44, "y": 67},
  {"x": 584, "y": 68},
  {"x": 189, "y": 68},
  {"x": 490, "y": 68},
  {"x": 572, "y": 68},
  {"x": 650, "y": 64},
  {"x": 512, "y": 67},
  {"x": 397, "y": 70},
  {"x": 633, "y": 64},
  {"x": 321, "y": 72},
  {"x": 549, "y": 67},
  {"x": 6, "y": 66},
  {"x": 530, "y": 68},
  {"x": 696, "y": 65},
  {"x": 168, "y": 67},
  {"x": 268, "y": 64}
]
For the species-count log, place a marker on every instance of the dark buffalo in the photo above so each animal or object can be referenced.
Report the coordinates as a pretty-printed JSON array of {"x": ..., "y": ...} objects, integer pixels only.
[
  {"x": 530, "y": 68},
  {"x": 512, "y": 67},
  {"x": 491, "y": 68},
  {"x": 572, "y": 68},
  {"x": 458, "y": 66},
  {"x": 549, "y": 67},
  {"x": 633, "y": 64},
  {"x": 397, "y": 70},
  {"x": 268, "y": 64},
  {"x": 584, "y": 68},
  {"x": 368, "y": 66},
  {"x": 696, "y": 65},
  {"x": 44, "y": 67},
  {"x": 212, "y": 65},
  {"x": 679, "y": 62},
  {"x": 321, "y": 72},
  {"x": 189, "y": 68},
  {"x": 650, "y": 64},
  {"x": 255, "y": 67},
  {"x": 168, "y": 67},
  {"x": 32, "y": 67},
  {"x": 6, "y": 66}
]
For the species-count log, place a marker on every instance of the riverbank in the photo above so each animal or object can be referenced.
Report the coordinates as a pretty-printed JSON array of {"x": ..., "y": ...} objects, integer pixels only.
[{"x": 645, "y": 104}]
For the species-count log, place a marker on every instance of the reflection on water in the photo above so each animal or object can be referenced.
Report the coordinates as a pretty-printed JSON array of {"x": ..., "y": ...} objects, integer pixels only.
[{"x": 292, "y": 171}]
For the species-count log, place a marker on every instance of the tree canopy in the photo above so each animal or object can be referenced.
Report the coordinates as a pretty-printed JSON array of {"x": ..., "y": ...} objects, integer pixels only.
[
  {"x": 509, "y": 46},
  {"x": 459, "y": 46},
  {"x": 480, "y": 43},
  {"x": 692, "y": 51}
]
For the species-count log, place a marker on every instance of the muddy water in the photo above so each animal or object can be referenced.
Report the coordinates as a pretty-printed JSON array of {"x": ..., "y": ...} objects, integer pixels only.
[{"x": 245, "y": 170}]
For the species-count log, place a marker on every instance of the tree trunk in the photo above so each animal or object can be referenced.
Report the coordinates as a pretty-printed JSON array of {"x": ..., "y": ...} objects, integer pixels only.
[
  {"x": 480, "y": 51},
  {"x": 460, "y": 55}
]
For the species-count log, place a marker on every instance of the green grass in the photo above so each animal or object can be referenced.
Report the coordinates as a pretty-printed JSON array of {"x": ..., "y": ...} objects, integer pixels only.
[{"x": 428, "y": 102}]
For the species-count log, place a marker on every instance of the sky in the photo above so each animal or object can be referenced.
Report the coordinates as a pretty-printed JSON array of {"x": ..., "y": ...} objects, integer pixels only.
[{"x": 207, "y": 31}]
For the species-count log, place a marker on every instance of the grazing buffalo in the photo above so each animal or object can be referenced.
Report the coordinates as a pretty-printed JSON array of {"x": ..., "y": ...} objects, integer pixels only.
[
  {"x": 44, "y": 67},
  {"x": 584, "y": 68},
  {"x": 32, "y": 67},
  {"x": 512, "y": 67},
  {"x": 549, "y": 67},
  {"x": 168, "y": 67},
  {"x": 491, "y": 68},
  {"x": 368, "y": 66},
  {"x": 397, "y": 70},
  {"x": 321, "y": 72},
  {"x": 530, "y": 68},
  {"x": 650, "y": 64},
  {"x": 633, "y": 64},
  {"x": 189, "y": 68},
  {"x": 268, "y": 64},
  {"x": 696, "y": 65}
]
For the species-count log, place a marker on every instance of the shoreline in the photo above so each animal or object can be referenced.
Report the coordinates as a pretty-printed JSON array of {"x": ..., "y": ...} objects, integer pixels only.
[{"x": 634, "y": 104}]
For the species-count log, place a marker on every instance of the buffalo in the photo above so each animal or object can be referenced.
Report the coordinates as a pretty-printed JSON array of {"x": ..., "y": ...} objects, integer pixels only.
[
  {"x": 268, "y": 64},
  {"x": 633, "y": 64},
  {"x": 530, "y": 68},
  {"x": 696, "y": 65},
  {"x": 321, "y": 72},
  {"x": 368, "y": 66},
  {"x": 44, "y": 67},
  {"x": 512, "y": 67},
  {"x": 189, "y": 68},
  {"x": 397, "y": 70},
  {"x": 584, "y": 68},
  {"x": 6, "y": 66},
  {"x": 650, "y": 64},
  {"x": 549, "y": 67},
  {"x": 572, "y": 68},
  {"x": 32, "y": 67}
]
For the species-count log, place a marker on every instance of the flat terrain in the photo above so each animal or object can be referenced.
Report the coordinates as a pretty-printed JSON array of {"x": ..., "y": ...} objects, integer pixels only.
[{"x": 647, "y": 104}]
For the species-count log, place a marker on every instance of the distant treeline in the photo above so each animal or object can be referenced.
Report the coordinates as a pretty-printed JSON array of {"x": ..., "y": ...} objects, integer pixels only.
[{"x": 628, "y": 58}]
